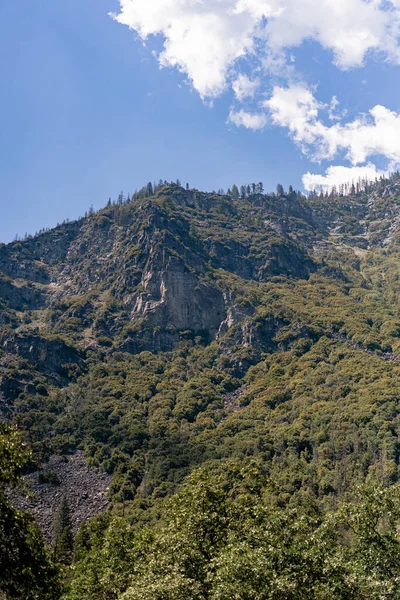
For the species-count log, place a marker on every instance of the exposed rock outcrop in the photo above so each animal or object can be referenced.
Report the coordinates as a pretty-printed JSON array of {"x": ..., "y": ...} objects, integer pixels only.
[
  {"x": 52, "y": 355},
  {"x": 176, "y": 297},
  {"x": 23, "y": 297}
]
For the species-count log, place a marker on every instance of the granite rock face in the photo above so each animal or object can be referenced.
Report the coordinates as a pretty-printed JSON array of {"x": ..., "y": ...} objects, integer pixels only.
[
  {"x": 50, "y": 355},
  {"x": 136, "y": 276},
  {"x": 22, "y": 297},
  {"x": 140, "y": 277},
  {"x": 175, "y": 297}
]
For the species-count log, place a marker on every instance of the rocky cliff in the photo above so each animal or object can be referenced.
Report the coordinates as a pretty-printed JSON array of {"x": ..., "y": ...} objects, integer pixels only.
[{"x": 137, "y": 276}]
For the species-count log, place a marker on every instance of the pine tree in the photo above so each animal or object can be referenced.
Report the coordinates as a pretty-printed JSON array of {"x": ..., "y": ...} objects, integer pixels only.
[
  {"x": 63, "y": 541},
  {"x": 235, "y": 192}
]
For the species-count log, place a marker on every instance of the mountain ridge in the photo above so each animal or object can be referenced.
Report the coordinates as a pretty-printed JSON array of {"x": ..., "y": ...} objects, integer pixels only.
[{"x": 127, "y": 334}]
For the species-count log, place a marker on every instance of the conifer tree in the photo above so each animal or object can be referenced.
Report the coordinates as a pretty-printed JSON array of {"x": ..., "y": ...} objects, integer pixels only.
[
  {"x": 235, "y": 192},
  {"x": 149, "y": 189},
  {"x": 63, "y": 540}
]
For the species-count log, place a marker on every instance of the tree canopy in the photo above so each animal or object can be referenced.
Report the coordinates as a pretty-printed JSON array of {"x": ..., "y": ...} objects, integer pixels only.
[{"x": 26, "y": 569}]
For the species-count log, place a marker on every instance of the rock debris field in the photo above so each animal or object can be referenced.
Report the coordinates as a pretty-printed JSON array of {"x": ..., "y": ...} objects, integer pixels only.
[{"x": 85, "y": 489}]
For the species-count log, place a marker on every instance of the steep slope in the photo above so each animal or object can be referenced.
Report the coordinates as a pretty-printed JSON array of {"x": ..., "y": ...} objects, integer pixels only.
[
  {"x": 135, "y": 277},
  {"x": 188, "y": 328}
]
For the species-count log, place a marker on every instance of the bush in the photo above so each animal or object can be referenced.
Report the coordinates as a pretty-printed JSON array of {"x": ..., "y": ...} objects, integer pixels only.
[{"x": 49, "y": 477}]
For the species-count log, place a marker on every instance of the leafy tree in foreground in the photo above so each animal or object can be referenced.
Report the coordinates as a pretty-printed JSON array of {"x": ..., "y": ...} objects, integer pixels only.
[
  {"x": 26, "y": 570},
  {"x": 224, "y": 540},
  {"x": 230, "y": 537}
]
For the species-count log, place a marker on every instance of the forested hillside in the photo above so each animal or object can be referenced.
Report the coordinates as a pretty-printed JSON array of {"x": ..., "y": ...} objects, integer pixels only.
[{"x": 231, "y": 362}]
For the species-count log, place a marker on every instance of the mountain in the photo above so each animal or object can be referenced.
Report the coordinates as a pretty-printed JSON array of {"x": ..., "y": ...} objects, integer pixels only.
[
  {"x": 185, "y": 329},
  {"x": 188, "y": 327}
]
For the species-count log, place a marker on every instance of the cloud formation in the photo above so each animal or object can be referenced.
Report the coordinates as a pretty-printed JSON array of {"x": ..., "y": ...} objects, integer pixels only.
[
  {"x": 335, "y": 176},
  {"x": 244, "y": 87},
  {"x": 205, "y": 38},
  {"x": 296, "y": 109},
  {"x": 236, "y": 44},
  {"x": 250, "y": 120}
]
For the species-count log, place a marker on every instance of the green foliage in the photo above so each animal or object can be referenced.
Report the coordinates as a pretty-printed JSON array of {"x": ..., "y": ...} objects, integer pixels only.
[
  {"x": 14, "y": 456},
  {"x": 229, "y": 536},
  {"x": 105, "y": 552},
  {"x": 63, "y": 540},
  {"x": 48, "y": 477},
  {"x": 27, "y": 572},
  {"x": 303, "y": 377}
]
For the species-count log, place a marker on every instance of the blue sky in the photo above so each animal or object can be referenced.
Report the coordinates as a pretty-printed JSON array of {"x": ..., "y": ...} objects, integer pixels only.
[{"x": 244, "y": 94}]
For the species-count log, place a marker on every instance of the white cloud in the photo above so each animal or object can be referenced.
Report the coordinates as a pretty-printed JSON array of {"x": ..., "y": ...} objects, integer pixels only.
[
  {"x": 333, "y": 114},
  {"x": 296, "y": 109},
  {"x": 209, "y": 40},
  {"x": 202, "y": 38},
  {"x": 242, "y": 118},
  {"x": 244, "y": 87},
  {"x": 348, "y": 28},
  {"x": 335, "y": 176},
  {"x": 205, "y": 38}
]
